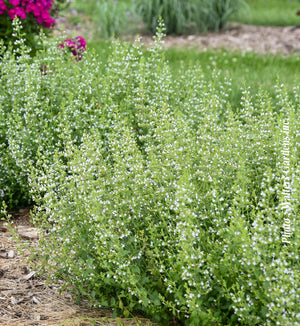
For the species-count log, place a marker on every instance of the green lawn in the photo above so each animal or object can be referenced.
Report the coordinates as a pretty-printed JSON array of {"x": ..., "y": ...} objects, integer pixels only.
[{"x": 270, "y": 13}]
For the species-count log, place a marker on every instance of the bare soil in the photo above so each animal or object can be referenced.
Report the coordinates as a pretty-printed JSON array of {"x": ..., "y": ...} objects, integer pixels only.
[{"x": 241, "y": 37}]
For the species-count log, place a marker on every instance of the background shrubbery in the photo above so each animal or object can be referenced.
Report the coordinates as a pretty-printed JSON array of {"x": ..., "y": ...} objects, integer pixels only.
[
  {"x": 181, "y": 16},
  {"x": 115, "y": 18},
  {"x": 157, "y": 195},
  {"x": 110, "y": 18}
]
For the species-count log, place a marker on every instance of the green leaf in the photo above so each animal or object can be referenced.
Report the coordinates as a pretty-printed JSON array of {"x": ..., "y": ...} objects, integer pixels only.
[{"x": 154, "y": 297}]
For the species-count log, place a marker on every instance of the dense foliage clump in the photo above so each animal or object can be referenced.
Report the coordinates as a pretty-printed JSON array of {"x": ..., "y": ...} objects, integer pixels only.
[
  {"x": 35, "y": 15},
  {"x": 156, "y": 194},
  {"x": 183, "y": 16}
]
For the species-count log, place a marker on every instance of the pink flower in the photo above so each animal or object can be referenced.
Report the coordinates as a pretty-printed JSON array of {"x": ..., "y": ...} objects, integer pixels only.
[
  {"x": 75, "y": 53},
  {"x": 37, "y": 10},
  {"x": 39, "y": 20},
  {"x": 17, "y": 11},
  {"x": 81, "y": 43},
  {"x": 2, "y": 7},
  {"x": 77, "y": 46},
  {"x": 45, "y": 15},
  {"x": 49, "y": 22},
  {"x": 14, "y": 2},
  {"x": 70, "y": 43},
  {"x": 30, "y": 7}
]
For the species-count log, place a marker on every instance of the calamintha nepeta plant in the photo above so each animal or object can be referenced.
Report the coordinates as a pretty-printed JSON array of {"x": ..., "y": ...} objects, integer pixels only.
[{"x": 157, "y": 195}]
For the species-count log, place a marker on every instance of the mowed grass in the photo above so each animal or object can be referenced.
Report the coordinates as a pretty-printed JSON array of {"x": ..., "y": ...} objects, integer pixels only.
[
  {"x": 255, "y": 70},
  {"x": 269, "y": 13}
]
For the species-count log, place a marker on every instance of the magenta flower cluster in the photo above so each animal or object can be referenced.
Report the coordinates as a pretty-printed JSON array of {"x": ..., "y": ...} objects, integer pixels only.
[
  {"x": 77, "y": 46},
  {"x": 40, "y": 9}
]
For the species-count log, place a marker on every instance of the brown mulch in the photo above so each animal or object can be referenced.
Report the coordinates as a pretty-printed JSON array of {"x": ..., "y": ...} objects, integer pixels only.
[
  {"x": 241, "y": 37},
  {"x": 26, "y": 299}
]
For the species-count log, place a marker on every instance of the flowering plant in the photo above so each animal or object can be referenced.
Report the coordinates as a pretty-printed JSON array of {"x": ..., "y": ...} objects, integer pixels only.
[
  {"x": 76, "y": 46},
  {"x": 36, "y": 14},
  {"x": 40, "y": 10}
]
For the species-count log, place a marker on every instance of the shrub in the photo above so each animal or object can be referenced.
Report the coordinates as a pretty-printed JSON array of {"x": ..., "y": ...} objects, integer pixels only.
[
  {"x": 181, "y": 16},
  {"x": 156, "y": 195},
  {"x": 159, "y": 228},
  {"x": 33, "y": 109},
  {"x": 35, "y": 15},
  {"x": 112, "y": 17},
  {"x": 177, "y": 15},
  {"x": 170, "y": 203},
  {"x": 220, "y": 12}
]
